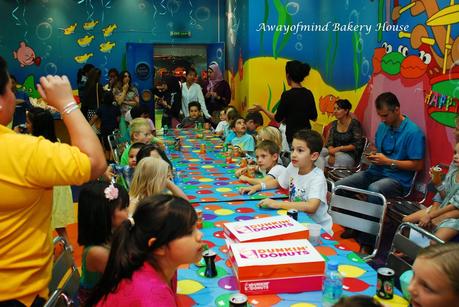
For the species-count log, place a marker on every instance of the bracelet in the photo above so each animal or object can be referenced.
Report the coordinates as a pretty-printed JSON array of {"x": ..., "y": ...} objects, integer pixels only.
[
  {"x": 263, "y": 186},
  {"x": 71, "y": 109},
  {"x": 70, "y": 106}
]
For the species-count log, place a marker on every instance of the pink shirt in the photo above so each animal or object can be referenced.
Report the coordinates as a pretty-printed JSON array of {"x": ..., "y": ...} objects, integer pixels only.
[{"x": 146, "y": 288}]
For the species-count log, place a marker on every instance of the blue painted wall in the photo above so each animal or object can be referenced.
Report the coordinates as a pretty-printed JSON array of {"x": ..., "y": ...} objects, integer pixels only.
[{"x": 41, "y": 23}]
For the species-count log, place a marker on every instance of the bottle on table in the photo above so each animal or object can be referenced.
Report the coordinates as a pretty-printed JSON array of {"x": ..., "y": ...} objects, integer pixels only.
[{"x": 332, "y": 289}]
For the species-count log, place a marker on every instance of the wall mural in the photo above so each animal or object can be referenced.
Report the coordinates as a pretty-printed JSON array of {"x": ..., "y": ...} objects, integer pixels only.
[{"x": 357, "y": 49}]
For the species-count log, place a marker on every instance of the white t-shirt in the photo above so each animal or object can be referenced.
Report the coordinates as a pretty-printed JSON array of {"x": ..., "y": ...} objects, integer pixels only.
[
  {"x": 221, "y": 126},
  {"x": 193, "y": 93},
  {"x": 275, "y": 171},
  {"x": 305, "y": 187}
]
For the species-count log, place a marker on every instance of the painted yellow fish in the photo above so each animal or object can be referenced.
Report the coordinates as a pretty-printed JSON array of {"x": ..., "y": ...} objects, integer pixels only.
[
  {"x": 90, "y": 25},
  {"x": 109, "y": 29},
  {"x": 83, "y": 58},
  {"x": 70, "y": 29},
  {"x": 106, "y": 47},
  {"x": 85, "y": 41}
]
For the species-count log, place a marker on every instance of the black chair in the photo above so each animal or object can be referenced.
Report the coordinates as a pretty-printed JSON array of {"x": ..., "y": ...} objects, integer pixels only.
[{"x": 65, "y": 279}]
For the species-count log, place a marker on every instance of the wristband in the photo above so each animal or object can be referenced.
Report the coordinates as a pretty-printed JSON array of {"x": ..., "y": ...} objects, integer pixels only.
[{"x": 263, "y": 186}]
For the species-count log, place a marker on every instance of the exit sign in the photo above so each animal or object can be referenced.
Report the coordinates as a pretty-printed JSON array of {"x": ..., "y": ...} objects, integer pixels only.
[{"x": 178, "y": 34}]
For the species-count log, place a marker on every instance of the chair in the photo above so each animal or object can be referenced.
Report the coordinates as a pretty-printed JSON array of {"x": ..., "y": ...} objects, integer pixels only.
[
  {"x": 403, "y": 251},
  {"x": 117, "y": 146},
  {"x": 65, "y": 278},
  {"x": 335, "y": 173},
  {"x": 364, "y": 216}
]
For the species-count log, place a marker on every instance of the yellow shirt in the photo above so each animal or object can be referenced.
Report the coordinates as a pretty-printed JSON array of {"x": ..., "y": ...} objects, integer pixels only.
[{"x": 29, "y": 168}]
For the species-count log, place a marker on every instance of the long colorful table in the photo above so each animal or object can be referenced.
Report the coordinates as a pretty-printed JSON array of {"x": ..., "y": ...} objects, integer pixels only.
[
  {"x": 208, "y": 177},
  {"x": 195, "y": 289}
]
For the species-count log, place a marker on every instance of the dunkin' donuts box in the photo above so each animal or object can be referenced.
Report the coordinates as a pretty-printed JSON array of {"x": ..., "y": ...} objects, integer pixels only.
[
  {"x": 281, "y": 227},
  {"x": 287, "y": 266}
]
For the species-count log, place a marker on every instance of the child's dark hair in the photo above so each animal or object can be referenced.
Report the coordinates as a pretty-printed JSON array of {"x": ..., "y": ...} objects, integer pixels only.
[
  {"x": 231, "y": 115},
  {"x": 312, "y": 138},
  {"x": 268, "y": 146},
  {"x": 297, "y": 71},
  {"x": 232, "y": 123},
  {"x": 42, "y": 123},
  {"x": 145, "y": 151},
  {"x": 164, "y": 217},
  {"x": 194, "y": 104},
  {"x": 95, "y": 212},
  {"x": 256, "y": 117},
  {"x": 358, "y": 301},
  {"x": 136, "y": 146},
  {"x": 108, "y": 98}
]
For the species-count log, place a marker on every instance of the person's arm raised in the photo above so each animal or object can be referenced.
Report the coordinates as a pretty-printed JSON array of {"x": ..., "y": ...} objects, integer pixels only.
[{"x": 57, "y": 92}]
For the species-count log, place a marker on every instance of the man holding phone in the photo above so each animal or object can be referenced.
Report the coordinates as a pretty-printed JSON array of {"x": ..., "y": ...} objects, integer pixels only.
[{"x": 399, "y": 152}]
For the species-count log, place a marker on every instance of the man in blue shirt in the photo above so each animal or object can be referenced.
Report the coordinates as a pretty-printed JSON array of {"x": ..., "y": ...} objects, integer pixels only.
[{"x": 400, "y": 153}]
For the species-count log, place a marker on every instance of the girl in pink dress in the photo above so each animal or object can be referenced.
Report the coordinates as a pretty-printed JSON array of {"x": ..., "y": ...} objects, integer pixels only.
[{"x": 146, "y": 252}]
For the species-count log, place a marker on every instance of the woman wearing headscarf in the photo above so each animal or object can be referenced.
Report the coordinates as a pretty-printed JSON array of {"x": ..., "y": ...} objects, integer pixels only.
[{"x": 217, "y": 92}]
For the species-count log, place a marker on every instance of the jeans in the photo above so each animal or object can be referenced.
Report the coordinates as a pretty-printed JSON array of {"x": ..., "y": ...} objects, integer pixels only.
[{"x": 365, "y": 180}]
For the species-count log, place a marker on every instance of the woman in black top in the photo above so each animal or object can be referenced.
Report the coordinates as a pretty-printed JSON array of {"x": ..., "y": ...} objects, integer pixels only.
[
  {"x": 297, "y": 106},
  {"x": 344, "y": 141},
  {"x": 92, "y": 94}
]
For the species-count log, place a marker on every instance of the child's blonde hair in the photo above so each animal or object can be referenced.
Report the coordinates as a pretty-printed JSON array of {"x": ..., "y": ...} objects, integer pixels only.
[
  {"x": 446, "y": 258},
  {"x": 270, "y": 133},
  {"x": 136, "y": 125},
  {"x": 150, "y": 178}
]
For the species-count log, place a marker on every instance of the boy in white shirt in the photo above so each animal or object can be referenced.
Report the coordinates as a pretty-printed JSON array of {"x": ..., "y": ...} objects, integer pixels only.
[
  {"x": 267, "y": 153},
  {"x": 223, "y": 124},
  {"x": 306, "y": 183}
]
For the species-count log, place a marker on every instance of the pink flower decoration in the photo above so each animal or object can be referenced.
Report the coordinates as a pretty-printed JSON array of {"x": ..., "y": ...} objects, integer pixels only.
[{"x": 111, "y": 192}]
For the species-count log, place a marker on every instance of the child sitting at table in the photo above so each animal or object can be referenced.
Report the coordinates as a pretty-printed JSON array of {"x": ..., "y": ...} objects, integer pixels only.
[
  {"x": 435, "y": 280},
  {"x": 139, "y": 132},
  {"x": 243, "y": 140},
  {"x": 146, "y": 251},
  {"x": 151, "y": 178},
  {"x": 124, "y": 173},
  {"x": 229, "y": 134},
  {"x": 222, "y": 124},
  {"x": 194, "y": 108},
  {"x": 102, "y": 207},
  {"x": 442, "y": 217},
  {"x": 253, "y": 120},
  {"x": 306, "y": 183},
  {"x": 267, "y": 153},
  {"x": 152, "y": 150}
]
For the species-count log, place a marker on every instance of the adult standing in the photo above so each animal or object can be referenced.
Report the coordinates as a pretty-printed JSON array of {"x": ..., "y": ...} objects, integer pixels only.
[
  {"x": 216, "y": 91},
  {"x": 297, "y": 106},
  {"x": 29, "y": 168},
  {"x": 91, "y": 97},
  {"x": 127, "y": 97},
  {"x": 191, "y": 91},
  {"x": 113, "y": 76},
  {"x": 344, "y": 141},
  {"x": 168, "y": 96}
]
